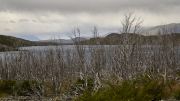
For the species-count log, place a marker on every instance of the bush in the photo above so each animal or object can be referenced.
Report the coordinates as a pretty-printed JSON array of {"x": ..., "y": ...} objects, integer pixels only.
[
  {"x": 133, "y": 91},
  {"x": 7, "y": 86},
  {"x": 151, "y": 89},
  {"x": 81, "y": 82},
  {"x": 177, "y": 95},
  {"x": 123, "y": 92},
  {"x": 25, "y": 88},
  {"x": 80, "y": 88}
]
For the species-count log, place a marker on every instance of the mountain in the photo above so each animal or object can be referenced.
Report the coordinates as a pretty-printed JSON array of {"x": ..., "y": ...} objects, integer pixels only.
[
  {"x": 175, "y": 27},
  {"x": 65, "y": 41},
  {"x": 79, "y": 39},
  {"x": 112, "y": 38},
  {"x": 9, "y": 43},
  {"x": 28, "y": 37},
  {"x": 130, "y": 38},
  {"x": 113, "y": 35},
  {"x": 13, "y": 41},
  {"x": 58, "y": 41}
]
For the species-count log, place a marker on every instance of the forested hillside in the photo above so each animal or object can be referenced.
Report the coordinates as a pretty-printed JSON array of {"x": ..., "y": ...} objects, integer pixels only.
[
  {"x": 116, "y": 38},
  {"x": 12, "y": 41},
  {"x": 9, "y": 43}
]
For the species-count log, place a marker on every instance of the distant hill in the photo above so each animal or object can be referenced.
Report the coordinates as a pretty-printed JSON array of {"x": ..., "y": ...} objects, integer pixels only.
[
  {"x": 150, "y": 36},
  {"x": 10, "y": 41},
  {"x": 65, "y": 41},
  {"x": 116, "y": 38},
  {"x": 113, "y": 35},
  {"x": 155, "y": 30},
  {"x": 27, "y": 37},
  {"x": 112, "y": 38}
]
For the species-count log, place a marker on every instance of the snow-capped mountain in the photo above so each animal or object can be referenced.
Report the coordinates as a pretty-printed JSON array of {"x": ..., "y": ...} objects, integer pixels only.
[
  {"x": 65, "y": 41},
  {"x": 173, "y": 28}
]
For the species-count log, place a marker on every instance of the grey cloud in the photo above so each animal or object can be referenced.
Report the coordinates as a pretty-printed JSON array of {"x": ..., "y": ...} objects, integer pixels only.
[
  {"x": 6, "y": 29},
  {"x": 56, "y": 21},
  {"x": 93, "y": 6},
  {"x": 12, "y": 21},
  {"x": 34, "y": 20},
  {"x": 23, "y": 20},
  {"x": 3, "y": 22}
]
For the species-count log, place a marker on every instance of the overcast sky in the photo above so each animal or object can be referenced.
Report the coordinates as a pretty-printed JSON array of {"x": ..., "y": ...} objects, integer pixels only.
[{"x": 47, "y": 18}]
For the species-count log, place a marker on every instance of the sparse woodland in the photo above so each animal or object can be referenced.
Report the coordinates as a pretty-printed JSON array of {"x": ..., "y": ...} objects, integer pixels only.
[{"x": 126, "y": 71}]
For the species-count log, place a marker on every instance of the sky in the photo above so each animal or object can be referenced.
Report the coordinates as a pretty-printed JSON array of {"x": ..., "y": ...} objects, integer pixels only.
[{"x": 45, "y": 19}]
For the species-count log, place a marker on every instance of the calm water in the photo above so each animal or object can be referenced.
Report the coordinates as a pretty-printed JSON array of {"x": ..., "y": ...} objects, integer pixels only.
[{"x": 146, "y": 52}]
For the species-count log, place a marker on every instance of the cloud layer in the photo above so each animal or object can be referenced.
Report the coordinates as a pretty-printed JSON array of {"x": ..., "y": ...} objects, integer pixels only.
[
  {"x": 45, "y": 18},
  {"x": 94, "y": 6}
]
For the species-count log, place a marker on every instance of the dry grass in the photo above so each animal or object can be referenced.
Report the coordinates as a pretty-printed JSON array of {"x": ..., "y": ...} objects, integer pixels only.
[
  {"x": 2, "y": 95},
  {"x": 171, "y": 89}
]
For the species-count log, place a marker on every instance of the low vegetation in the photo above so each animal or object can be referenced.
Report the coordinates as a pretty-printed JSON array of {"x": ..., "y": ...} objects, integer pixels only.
[
  {"x": 127, "y": 91},
  {"x": 23, "y": 88}
]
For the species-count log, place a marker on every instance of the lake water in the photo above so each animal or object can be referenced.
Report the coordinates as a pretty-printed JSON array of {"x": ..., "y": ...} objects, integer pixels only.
[{"x": 146, "y": 50}]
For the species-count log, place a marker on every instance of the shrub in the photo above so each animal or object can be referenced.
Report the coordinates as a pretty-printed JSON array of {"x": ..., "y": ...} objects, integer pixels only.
[
  {"x": 7, "y": 86},
  {"x": 125, "y": 91},
  {"x": 177, "y": 95},
  {"x": 80, "y": 88},
  {"x": 25, "y": 88},
  {"x": 151, "y": 89},
  {"x": 133, "y": 91}
]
